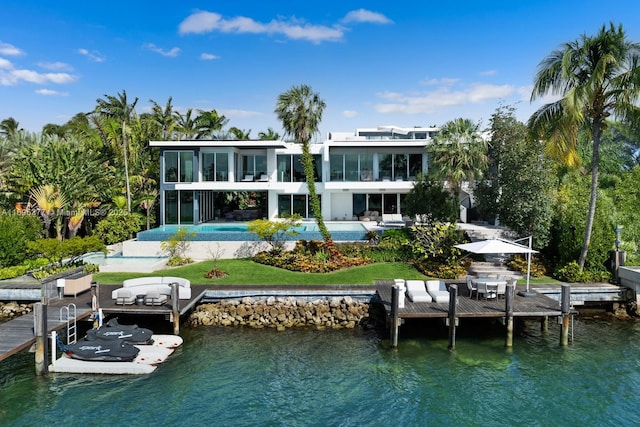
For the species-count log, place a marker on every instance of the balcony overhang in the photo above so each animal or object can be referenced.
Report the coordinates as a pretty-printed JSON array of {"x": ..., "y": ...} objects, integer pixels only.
[{"x": 235, "y": 144}]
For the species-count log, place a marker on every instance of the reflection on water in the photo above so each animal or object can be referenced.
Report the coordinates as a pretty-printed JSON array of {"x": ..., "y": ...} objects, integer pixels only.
[{"x": 304, "y": 377}]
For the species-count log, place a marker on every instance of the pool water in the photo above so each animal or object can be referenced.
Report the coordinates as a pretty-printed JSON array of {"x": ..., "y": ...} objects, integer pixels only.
[
  {"x": 117, "y": 262},
  {"x": 340, "y": 231}
]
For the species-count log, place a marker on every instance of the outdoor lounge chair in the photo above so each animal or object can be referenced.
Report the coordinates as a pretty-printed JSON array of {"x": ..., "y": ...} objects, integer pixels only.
[
  {"x": 247, "y": 178},
  {"x": 369, "y": 216},
  {"x": 392, "y": 220},
  {"x": 417, "y": 292},
  {"x": 125, "y": 297},
  {"x": 155, "y": 298},
  {"x": 438, "y": 290}
]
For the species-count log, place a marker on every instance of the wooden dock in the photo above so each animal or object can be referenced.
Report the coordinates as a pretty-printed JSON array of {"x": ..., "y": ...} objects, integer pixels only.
[
  {"x": 18, "y": 334},
  {"x": 534, "y": 306},
  {"x": 461, "y": 305}
]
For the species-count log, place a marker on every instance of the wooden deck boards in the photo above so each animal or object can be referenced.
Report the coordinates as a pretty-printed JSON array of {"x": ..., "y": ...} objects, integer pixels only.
[
  {"x": 536, "y": 306},
  {"x": 17, "y": 334}
]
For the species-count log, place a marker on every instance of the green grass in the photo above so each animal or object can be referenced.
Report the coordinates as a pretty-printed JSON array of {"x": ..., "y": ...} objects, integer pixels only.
[{"x": 247, "y": 272}]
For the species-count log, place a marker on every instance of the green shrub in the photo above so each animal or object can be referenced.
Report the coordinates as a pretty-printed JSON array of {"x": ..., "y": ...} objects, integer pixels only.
[
  {"x": 15, "y": 232},
  {"x": 11, "y": 272},
  {"x": 519, "y": 263},
  {"x": 117, "y": 228}
]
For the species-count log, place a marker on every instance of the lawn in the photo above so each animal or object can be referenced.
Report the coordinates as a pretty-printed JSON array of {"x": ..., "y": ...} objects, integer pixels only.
[{"x": 247, "y": 272}]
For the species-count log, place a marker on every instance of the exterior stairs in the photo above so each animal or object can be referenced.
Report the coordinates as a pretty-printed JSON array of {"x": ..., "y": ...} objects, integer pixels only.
[{"x": 493, "y": 264}]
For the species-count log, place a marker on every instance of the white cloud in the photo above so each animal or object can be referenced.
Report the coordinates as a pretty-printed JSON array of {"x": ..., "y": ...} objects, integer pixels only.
[
  {"x": 363, "y": 15},
  {"x": 349, "y": 114},
  {"x": 171, "y": 53},
  {"x": 30, "y": 76},
  {"x": 208, "y": 56},
  {"x": 55, "y": 66},
  {"x": 441, "y": 97},
  {"x": 441, "y": 81},
  {"x": 49, "y": 92},
  {"x": 94, "y": 56},
  {"x": 239, "y": 113},
  {"x": 10, "y": 50},
  {"x": 205, "y": 22},
  {"x": 5, "y": 64}
]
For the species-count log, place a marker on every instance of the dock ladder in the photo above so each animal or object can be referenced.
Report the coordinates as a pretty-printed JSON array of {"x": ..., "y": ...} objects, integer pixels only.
[{"x": 68, "y": 314}]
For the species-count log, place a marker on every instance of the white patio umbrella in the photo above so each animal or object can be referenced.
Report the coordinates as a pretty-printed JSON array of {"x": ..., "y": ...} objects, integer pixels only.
[{"x": 501, "y": 246}]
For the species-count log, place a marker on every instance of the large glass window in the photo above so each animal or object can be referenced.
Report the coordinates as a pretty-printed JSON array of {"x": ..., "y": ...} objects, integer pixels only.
[
  {"x": 289, "y": 204},
  {"x": 215, "y": 166},
  {"x": 186, "y": 207},
  {"x": 178, "y": 166},
  {"x": 293, "y": 163},
  {"x": 351, "y": 167},
  {"x": 284, "y": 205},
  {"x": 385, "y": 162},
  {"x": 254, "y": 164},
  {"x": 284, "y": 167},
  {"x": 359, "y": 204},
  {"x": 400, "y": 167},
  {"x": 336, "y": 166},
  {"x": 171, "y": 207},
  {"x": 415, "y": 166}
]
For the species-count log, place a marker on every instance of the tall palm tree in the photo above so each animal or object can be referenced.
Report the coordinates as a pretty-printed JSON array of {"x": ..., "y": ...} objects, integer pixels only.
[
  {"x": 596, "y": 77},
  {"x": 9, "y": 126},
  {"x": 165, "y": 118},
  {"x": 209, "y": 124},
  {"x": 300, "y": 111},
  {"x": 240, "y": 134},
  {"x": 457, "y": 154},
  {"x": 118, "y": 107},
  {"x": 186, "y": 125},
  {"x": 269, "y": 135}
]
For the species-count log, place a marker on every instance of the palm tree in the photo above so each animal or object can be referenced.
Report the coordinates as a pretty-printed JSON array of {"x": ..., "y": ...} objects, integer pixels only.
[
  {"x": 457, "y": 154},
  {"x": 240, "y": 134},
  {"x": 186, "y": 126},
  {"x": 300, "y": 111},
  {"x": 596, "y": 77},
  {"x": 9, "y": 126},
  {"x": 209, "y": 124},
  {"x": 118, "y": 107},
  {"x": 269, "y": 135},
  {"x": 164, "y": 118}
]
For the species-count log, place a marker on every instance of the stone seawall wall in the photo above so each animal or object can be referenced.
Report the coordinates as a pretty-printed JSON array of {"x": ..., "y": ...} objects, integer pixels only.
[
  {"x": 282, "y": 313},
  {"x": 9, "y": 310}
]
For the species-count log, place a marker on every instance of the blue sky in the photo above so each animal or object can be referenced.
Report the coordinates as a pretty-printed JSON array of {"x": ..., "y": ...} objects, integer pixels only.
[{"x": 410, "y": 63}]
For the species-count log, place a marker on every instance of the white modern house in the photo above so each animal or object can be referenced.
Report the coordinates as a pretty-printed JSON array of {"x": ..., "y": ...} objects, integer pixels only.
[{"x": 371, "y": 169}]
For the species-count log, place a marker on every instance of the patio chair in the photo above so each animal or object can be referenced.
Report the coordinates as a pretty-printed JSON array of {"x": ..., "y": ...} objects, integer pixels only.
[
  {"x": 417, "y": 292},
  {"x": 247, "y": 178},
  {"x": 155, "y": 298},
  {"x": 124, "y": 297},
  {"x": 471, "y": 286}
]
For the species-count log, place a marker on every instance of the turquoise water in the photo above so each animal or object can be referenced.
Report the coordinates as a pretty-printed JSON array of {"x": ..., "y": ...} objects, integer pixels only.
[
  {"x": 242, "y": 377},
  {"x": 237, "y": 231}
]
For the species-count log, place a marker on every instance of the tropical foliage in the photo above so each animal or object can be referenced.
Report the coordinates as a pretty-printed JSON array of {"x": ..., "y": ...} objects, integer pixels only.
[{"x": 596, "y": 77}]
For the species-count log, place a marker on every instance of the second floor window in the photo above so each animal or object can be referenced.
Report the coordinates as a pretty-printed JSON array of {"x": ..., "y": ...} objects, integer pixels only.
[{"x": 178, "y": 166}]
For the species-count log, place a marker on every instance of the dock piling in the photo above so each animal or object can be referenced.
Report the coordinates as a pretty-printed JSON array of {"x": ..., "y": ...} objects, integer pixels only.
[
  {"x": 40, "y": 331},
  {"x": 395, "y": 298},
  {"x": 453, "y": 299},
  {"x": 565, "y": 308},
  {"x": 509, "y": 297},
  {"x": 175, "y": 307}
]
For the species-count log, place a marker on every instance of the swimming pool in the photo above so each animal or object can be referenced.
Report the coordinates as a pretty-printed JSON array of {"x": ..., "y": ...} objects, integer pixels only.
[
  {"x": 118, "y": 262},
  {"x": 307, "y": 230}
]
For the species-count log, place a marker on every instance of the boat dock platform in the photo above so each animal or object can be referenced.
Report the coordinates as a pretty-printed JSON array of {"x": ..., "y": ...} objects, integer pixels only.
[{"x": 461, "y": 306}]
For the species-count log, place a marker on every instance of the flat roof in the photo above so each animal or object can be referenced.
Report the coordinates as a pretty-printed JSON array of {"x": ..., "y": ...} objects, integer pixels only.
[{"x": 235, "y": 143}]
